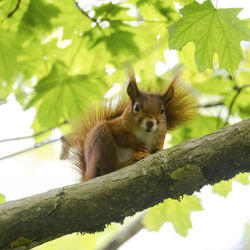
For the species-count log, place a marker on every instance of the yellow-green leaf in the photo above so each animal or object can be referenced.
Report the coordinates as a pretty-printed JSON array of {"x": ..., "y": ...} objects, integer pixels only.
[
  {"x": 2, "y": 200},
  {"x": 174, "y": 211},
  {"x": 243, "y": 178},
  {"x": 223, "y": 188}
]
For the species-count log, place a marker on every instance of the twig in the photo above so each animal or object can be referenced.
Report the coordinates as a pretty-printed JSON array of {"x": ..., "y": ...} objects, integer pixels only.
[
  {"x": 238, "y": 91},
  {"x": 137, "y": 20},
  {"x": 210, "y": 105},
  {"x": 38, "y": 145},
  {"x": 85, "y": 13},
  {"x": 105, "y": 18},
  {"x": 34, "y": 135},
  {"x": 125, "y": 234},
  {"x": 14, "y": 10}
]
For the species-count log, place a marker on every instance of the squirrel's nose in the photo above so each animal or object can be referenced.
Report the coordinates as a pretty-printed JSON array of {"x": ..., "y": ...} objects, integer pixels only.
[{"x": 149, "y": 124}]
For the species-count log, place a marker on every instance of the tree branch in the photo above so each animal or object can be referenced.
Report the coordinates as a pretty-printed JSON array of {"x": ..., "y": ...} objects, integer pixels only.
[{"x": 88, "y": 207}]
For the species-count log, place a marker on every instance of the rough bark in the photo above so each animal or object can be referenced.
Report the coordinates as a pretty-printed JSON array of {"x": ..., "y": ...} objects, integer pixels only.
[{"x": 89, "y": 206}]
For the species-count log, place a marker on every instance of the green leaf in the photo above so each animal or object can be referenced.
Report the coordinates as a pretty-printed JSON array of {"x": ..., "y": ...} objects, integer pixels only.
[
  {"x": 186, "y": 56},
  {"x": 87, "y": 241},
  {"x": 119, "y": 42},
  {"x": 71, "y": 18},
  {"x": 8, "y": 7},
  {"x": 71, "y": 241},
  {"x": 241, "y": 103},
  {"x": 36, "y": 58},
  {"x": 5, "y": 91},
  {"x": 38, "y": 17},
  {"x": 9, "y": 48},
  {"x": 244, "y": 112},
  {"x": 215, "y": 85},
  {"x": 151, "y": 49},
  {"x": 59, "y": 96},
  {"x": 177, "y": 212},
  {"x": 213, "y": 31},
  {"x": 223, "y": 188},
  {"x": 157, "y": 10},
  {"x": 200, "y": 126},
  {"x": 243, "y": 75},
  {"x": 111, "y": 10},
  {"x": 2, "y": 200},
  {"x": 80, "y": 58},
  {"x": 243, "y": 178},
  {"x": 185, "y": 2}
]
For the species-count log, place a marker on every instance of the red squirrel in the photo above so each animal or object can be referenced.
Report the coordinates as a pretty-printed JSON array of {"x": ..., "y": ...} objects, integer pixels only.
[{"x": 114, "y": 137}]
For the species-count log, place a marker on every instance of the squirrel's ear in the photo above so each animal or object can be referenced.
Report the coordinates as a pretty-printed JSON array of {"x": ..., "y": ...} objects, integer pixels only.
[
  {"x": 133, "y": 91},
  {"x": 132, "y": 88},
  {"x": 168, "y": 95}
]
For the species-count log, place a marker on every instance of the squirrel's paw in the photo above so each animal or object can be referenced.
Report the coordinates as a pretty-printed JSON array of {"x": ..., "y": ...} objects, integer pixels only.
[
  {"x": 141, "y": 148},
  {"x": 140, "y": 155}
]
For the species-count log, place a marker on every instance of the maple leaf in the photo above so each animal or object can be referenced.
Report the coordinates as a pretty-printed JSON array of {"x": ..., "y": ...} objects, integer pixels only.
[
  {"x": 173, "y": 211},
  {"x": 212, "y": 31}
]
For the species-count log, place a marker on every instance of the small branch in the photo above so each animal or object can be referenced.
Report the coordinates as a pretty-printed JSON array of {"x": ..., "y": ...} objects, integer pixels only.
[
  {"x": 34, "y": 135},
  {"x": 38, "y": 145},
  {"x": 85, "y": 13},
  {"x": 210, "y": 105},
  {"x": 137, "y": 20},
  {"x": 105, "y": 18},
  {"x": 125, "y": 234},
  {"x": 15, "y": 9},
  {"x": 238, "y": 91}
]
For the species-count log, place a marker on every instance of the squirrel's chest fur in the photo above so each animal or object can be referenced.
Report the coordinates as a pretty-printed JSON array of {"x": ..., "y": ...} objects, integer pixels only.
[{"x": 148, "y": 139}]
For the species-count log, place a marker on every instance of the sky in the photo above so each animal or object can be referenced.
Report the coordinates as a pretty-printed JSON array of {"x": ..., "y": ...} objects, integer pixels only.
[{"x": 219, "y": 226}]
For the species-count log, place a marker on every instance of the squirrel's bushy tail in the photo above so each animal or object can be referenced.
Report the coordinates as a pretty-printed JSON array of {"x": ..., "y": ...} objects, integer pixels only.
[
  {"x": 73, "y": 144},
  {"x": 181, "y": 109}
]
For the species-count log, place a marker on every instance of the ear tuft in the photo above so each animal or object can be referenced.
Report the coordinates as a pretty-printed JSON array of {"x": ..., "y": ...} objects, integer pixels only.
[
  {"x": 130, "y": 74},
  {"x": 132, "y": 89},
  {"x": 169, "y": 94}
]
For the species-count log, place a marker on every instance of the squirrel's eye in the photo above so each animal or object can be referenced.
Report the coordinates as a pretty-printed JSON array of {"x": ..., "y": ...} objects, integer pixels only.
[
  {"x": 136, "y": 107},
  {"x": 162, "y": 110}
]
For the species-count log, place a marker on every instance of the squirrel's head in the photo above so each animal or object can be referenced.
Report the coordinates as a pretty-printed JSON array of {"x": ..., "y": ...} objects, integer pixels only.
[{"x": 148, "y": 109}]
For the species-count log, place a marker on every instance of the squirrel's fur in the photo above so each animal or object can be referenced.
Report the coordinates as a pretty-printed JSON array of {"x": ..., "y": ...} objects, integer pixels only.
[{"x": 100, "y": 124}]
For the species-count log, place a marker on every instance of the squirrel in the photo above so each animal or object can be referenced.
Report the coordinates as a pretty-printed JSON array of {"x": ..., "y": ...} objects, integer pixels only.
[{"x": 114, "y": 137}]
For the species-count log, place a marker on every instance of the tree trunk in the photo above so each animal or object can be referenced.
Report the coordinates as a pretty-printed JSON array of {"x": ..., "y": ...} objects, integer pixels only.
[{"x": 88, "y": 207}]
